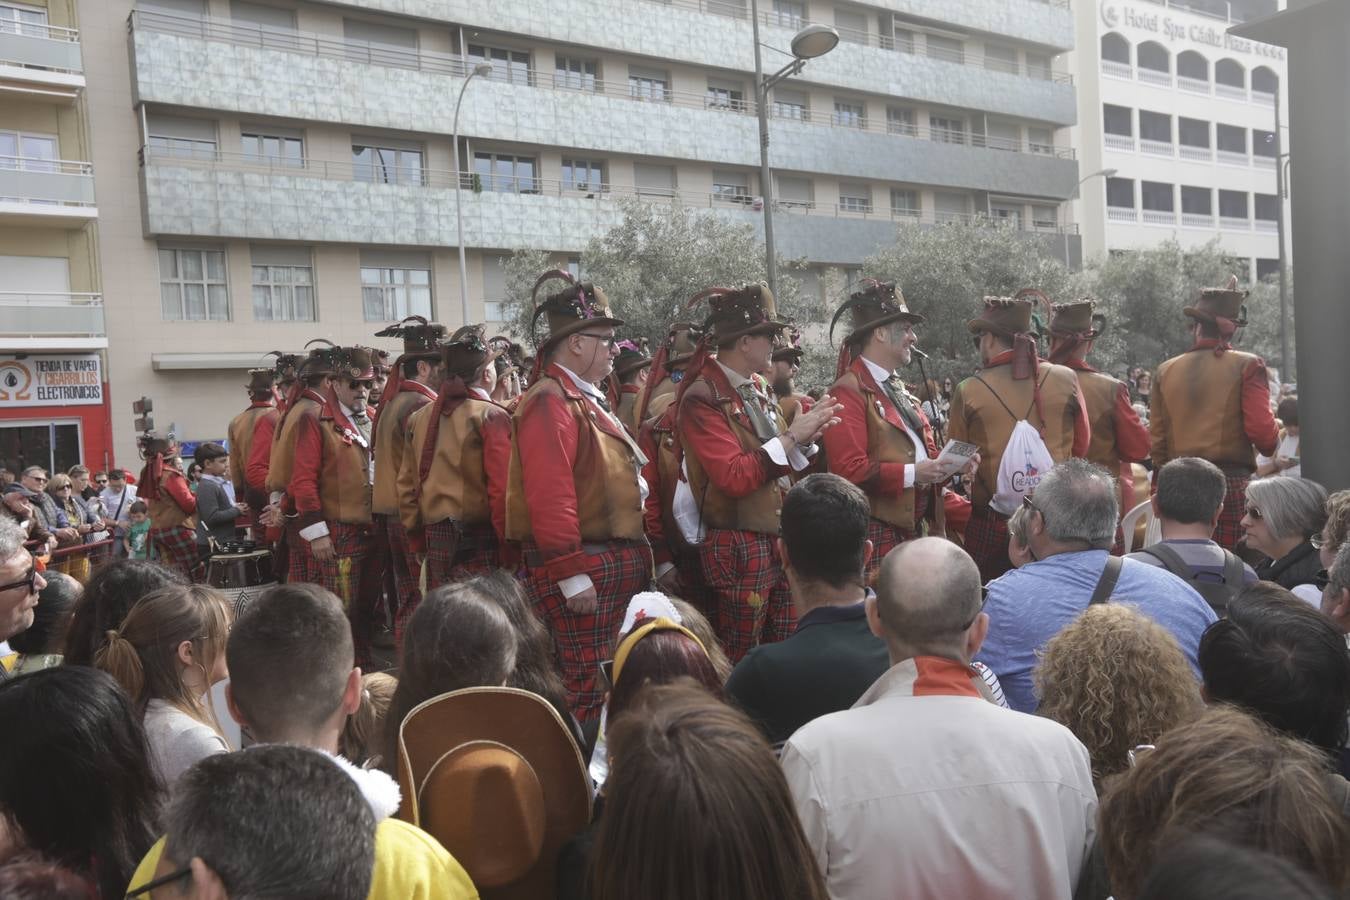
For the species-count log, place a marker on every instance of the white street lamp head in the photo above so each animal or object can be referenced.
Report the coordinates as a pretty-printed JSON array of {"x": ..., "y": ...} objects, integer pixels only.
[
  {"x": 483, "y": 69},
  {"x": 813, "y": 41},
  {"x": 1109, "y": 173}
]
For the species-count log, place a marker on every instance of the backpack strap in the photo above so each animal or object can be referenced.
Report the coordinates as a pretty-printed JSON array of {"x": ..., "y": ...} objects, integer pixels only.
[
  {"x": 1233, "y": 569},
  {"x": 1172, "y": 561},
  {"x": 1036, "y": 393},
  {"x": 1012, "y": 415},
  {"x": 1107, "y": 582}
]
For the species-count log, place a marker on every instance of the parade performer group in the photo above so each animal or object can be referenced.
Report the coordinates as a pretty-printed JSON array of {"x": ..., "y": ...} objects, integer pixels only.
[{"x": 596, "y": 470}]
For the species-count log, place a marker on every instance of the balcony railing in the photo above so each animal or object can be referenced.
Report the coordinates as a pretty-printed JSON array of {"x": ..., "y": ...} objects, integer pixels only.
[
  {"x": 1157, "y": 148},
  {"x": 1193, "y": 85},
  {"x": 426, "y": 61},
  {"x": 1154, "y": 76},
  {"x": 1158, "y": 216},
  {"x": 1232, "y": 158},
  {"x": 46, "y": 182},
  {"x": 1263, "y": 162},
  {"x": 46, "y": 314},
  {"x": 1197, "y": 220},
  {"x": 1233, "y": 223},
  {"x": 1119, "y": 141},
  {"x": 1230, "y": 91},
  {"x": 1122, "y": 214},
  {"x": 476, "y": 184},
  {"x": 1117, "y": 69},
  {"x": 1185, "y": 82},
  {"x": 40, "y": 46},
  {"x": 1264, "y": 98},
  {"x": 1189, "y": 151},
  {"x": 1267, "y": 226}
]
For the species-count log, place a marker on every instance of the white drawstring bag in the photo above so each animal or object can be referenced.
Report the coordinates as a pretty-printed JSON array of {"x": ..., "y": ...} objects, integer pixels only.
[{"x": 1025, "y": 460}]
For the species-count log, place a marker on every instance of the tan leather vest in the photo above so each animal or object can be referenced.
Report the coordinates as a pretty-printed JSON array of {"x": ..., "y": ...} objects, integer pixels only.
[
  {"x": 391, "y": 431},
  {"x": 1201, "y": 406},
  {"x": 979, "y": 418},
  {"x": 282, "y": 458},
  {"x": 604, "y": 474},
  {"x": 758, "y": 511},
  {"x": 886, "y": 443},
  {"x": 344, "y": 482},
  {"x": 240, "y": 436},
  {"x": 165, "y": 511},
  {"x": 1099, "y": 395},
  {"x": 456, "y": 485}
]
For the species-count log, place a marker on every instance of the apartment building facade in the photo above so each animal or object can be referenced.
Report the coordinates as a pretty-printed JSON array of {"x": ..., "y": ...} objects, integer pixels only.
[
  {"x": 1185, "y": 115},
  {"x": 283, "y": 170},
  {"x": 53, "y": 395}
]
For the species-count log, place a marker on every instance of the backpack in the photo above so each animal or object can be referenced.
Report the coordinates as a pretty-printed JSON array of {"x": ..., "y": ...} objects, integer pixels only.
[
  {"x": 1024, "y": 461},
  {"x": 1216, "y": 593}
]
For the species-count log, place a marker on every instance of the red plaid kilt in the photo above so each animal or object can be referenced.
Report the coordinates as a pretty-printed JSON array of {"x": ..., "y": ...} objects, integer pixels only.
[
  {"x": 176, "y": 548},
  {"x": 343, "y": 575},
  {"x": 1229, "y": 531},
  {"x": 693, "y": 586},
  {"x": 753, "y": 603},
  {"x": 885, "y": 537},
  {"x": 582, "y": 642},
  {"x": 987, "y": 542},
  {"x": 376, "y": 572}
]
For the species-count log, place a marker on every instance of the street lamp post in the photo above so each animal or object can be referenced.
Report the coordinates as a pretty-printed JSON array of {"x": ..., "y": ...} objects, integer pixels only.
[
  {"x": 480, "y": 69},
  {"x": 1105, "y": 173},
  {"x": 1279, "y": 235},
  {"x": 810, "y": 42}
]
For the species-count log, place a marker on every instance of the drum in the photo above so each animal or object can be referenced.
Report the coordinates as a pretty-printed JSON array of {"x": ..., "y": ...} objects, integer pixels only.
[{"x": 241, "y": 577}]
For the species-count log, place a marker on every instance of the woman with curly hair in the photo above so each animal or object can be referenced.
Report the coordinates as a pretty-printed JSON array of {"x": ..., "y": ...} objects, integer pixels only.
[
  {"x": 1337, "y": 527},
  {"x": 1116, "y": 679}
]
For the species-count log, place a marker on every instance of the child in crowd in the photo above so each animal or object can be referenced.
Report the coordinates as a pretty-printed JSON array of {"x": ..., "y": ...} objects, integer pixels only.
[
  {"x": 137, "y": 540},
  {"x": 363, "y": 735}
]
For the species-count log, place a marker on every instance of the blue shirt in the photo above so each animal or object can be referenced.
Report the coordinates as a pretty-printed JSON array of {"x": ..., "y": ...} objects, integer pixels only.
[{"x": 1030, "y": 605}]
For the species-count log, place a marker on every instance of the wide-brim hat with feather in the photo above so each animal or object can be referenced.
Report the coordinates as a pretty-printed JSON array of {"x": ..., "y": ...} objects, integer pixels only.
[
  {"x": 632, "y": 357},
  {"x": 152, "y": 443},
  {"x": 791, "y": 351},
  {"x": 736, "y": 312},
  {"x": 506, "y": 354},
  {"x": 320, "y": 360},
  {"x": 466, "y": 351},
  {"x": 1076, "y": 320},
  {"x": 286, "y": 368},
  {"x": 260, "y": 380},
  {"x": 1005, "y": 316},
  {"x": 578, "y": 306},
  {"x": 421, "y": 339},
  {"x": 1220, "y": 303},
  {"x": 682, "y": 342},
  {"x": 354, "y": 363},
  {"x": 876, "y": 304}
]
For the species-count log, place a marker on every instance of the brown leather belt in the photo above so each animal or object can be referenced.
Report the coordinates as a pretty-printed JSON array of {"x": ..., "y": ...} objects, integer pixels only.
[{"x": 535, "y": 559}]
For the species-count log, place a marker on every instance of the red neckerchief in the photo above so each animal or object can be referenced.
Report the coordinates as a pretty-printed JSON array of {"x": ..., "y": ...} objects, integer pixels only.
[
  {"x": 1218, "y": 345},
  {"x": 416, "y": 387},
  {"x": 1078, "y": 365},
  {"x": 453, "y": 392},
  {"x": 262, "y": 404},
  {"x": 629, "y": 388},
  {"x": 350, "y": 433}
]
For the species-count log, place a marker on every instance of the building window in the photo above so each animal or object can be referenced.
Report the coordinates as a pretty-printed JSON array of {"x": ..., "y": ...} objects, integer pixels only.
[
  {"x": 1007, "y": 212},
  {"x": 192, "y": 285},
  {"x": 854, "y": 197},
  {"x": 582, "y": 175},
  {"x": 900, "y": 120},
  {"x": 905, "y": 203},
  {"x": 852, "y": 26},
  {"x": 849, "y": 114},
  {"x": 902, "y": 39},
  {"x": 1233, "y": 204},
  {"x": 950, "y": 207},
  {"x": 1157, "y": 196},
  {"x": 23, "y": 20},
  {"x": 505, "y": 173},
  {"x": 1117, "y": 120},
  {"x": 946, "y": 131},
  {"x": 795, "y": 191},
  {"x": 1197, "y": 201},
  {"x": 388, "y": 295},
  {"x": 283, "y": 293},
  {"x": 1263, "y": 143},
  {"x": 1155, "y": 127},
  {"x": 788, "y": 13},
  {"x": 1038, "y": 67},
  {"x": 1230, "y": 138},
  {"x": 273, "y": 148},
  {"x": 577, "y": 74},
  {"x": 387, "y": 165},
  {"x": 725, "y": 96},
  {"x": 1267, "y": 268},
  {"x": 790, "y": 105},
  {"x": 654, "y": 181},
  {"x": 1120, "y": 193},
  {"x": 733, "y": 187},
  {"x": 1040, "y": 140},
  {"x": 1045, "y": 218},
  {"x": 1192, "y": 132},
  {"x": 1266, "y": 207},
  {"x": 180, "y": 137},
  {"x": 494, "y": 286},
  {"x": 946, "y": 49},
  {"x": 508, "y": 65},
  {"x": 1000, "y": 58},
  {"x": 649, "y": 85}
]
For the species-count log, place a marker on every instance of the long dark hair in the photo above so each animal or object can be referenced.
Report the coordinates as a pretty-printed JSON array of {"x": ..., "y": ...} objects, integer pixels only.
[
  {"x": 535, "y": 669},
  {"x": 108, "y": 597},
  {"x": 459, "y": 637},
  {"x": 76, "y": 784}
]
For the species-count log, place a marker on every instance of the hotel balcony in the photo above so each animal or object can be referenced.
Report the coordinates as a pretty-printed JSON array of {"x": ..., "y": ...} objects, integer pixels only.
[
  {"x": 40, "y": 60},
  {"x": 31, "y": 320},
  {"x": 213, "y": 64},
  {"x": 314, "y": 201},
  {"x": 46, "y": 192}
]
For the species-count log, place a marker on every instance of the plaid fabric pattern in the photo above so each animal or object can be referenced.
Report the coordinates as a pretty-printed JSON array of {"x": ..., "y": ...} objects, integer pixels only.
[
  {"x": 456, "y": 551},
  {"x": 378, "y": 580},
  {"x": 406, "y": 573},
  {"x": 176, "y": 548},
  {"x": 885, "y": 537},
  {"x": 1229, "y": 531},
  {"x": 582, "y": 642},
  {"x": 300, "y": 564},
  {"x": 752, "y": 601},
  {"x": 987, "y": 543},
  {"x": 343, "y": 575},
  {"x": 694, "y": 587}
]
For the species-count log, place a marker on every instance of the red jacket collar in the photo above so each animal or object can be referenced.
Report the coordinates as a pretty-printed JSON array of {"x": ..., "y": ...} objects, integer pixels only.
[
  {"x": 416, "y": 387},
  {"x": 262, "y": 404},
  {"x": 1006, "y": 357},
  {"x": 630, "y": 389},
  {"x": 1079, "y": 365}
]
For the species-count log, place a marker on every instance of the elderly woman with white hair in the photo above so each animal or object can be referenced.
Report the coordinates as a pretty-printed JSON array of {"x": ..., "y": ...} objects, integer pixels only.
[{"x": 1281, "y": 518}]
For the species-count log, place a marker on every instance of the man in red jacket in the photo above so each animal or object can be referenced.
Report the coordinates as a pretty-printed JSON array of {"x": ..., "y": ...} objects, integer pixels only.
[{"x": 740, "y": 456}]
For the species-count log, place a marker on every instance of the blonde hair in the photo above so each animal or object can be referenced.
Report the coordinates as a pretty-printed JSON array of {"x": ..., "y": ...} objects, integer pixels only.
[
  {"x": 142, "y": 653},
  {"x": 57, "y": 482},
  {"x": 698, "y": 624},
  {"x": 1116, "y": 679},
  {"x": 364, "y": 732},
  {"x": 1337, "y": 526}
]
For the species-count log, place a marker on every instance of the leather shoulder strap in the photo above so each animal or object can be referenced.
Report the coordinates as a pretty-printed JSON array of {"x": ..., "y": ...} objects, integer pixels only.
[
  {"x": 1107, "y": 582},
  {"x": 1171, "y": 560}
]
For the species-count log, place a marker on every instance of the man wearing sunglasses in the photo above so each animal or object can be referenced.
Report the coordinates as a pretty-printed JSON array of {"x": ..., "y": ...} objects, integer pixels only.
[{"x": 19, "y": 582}]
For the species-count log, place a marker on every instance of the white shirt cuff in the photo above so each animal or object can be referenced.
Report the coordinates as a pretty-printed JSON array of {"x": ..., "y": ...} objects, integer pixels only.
[
  {"x": 275, "y": 496},
  {"x": 909, "y": 475},
  {"x": 663, "y": 568},
  {"x": 574, "y": 585},
  {"x": 315, "y": 531},
  {"x": 783, "y": 457}
]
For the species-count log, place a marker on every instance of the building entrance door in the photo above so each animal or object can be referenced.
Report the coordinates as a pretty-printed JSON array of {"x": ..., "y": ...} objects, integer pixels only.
[{"x": 53, "y": 445}]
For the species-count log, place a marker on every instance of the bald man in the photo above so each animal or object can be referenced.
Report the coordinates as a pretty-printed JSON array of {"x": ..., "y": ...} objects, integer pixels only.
[{"x": 932, "y": 790}]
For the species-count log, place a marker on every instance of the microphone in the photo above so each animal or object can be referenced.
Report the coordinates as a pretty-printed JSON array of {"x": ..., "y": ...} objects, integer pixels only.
[{"x": 917, "y": 352}]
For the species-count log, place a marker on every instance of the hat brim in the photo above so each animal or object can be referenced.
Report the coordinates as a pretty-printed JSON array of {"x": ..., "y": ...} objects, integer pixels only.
[
  {"x": 572, "y": 328},
  {"x": 978, "y": 325},
  {"x": 1090, "y": 335},
  {"x": 632, "y": 367},
  {"x": 772, "y": 326},
  {"x": 861, "y": 331}
]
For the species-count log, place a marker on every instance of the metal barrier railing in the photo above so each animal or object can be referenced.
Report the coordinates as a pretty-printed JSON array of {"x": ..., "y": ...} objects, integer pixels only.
[{"x": 80, "y": 561}]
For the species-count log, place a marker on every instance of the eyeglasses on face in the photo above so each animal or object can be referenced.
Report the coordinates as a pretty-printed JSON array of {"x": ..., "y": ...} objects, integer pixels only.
[
  {"x": 367, "y": 384},
  {"x": 1255, "y": 513},
  {"x": 40, "y": 479},
  {"x": 608, "y": 340},
  {"x": 28, "y": 582},
  {"x": 1322, "y": 579},
  {"x": 1318, "y": 541},
  {"x": 100, "y": 481}
]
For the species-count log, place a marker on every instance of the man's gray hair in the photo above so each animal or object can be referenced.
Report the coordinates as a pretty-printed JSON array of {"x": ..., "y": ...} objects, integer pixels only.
[
  {"x": 1078, "y": 502},
  {"x": 274, "y": 821},
  {"x": 1290, "y": 507},
  {"x": 12, "y": 537},
  {"x": 33, "y": 470},
  {"x": 1190, "y": 490},
  {"x": 1338, "y": 576}
]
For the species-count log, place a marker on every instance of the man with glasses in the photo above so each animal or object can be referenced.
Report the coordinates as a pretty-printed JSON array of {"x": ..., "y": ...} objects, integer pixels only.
[
  {"x": 19, "y": 582},
  {"x": 117, "y": 497},
  {"x": 35, "y": 479},
  {"x": 575, "y": 490},
  {"x": 926, "y": 788},
  {"x": 1070, "y": 527},
  {"x": 330, "y": 487}
]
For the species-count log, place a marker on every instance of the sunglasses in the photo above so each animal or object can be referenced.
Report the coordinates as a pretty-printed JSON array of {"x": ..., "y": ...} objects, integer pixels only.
[
  {"x": 607, "y": 340},
  {"x": 40, "y": 479},
  {"x": 1322, "y": 579},
  {"x": 1255, "y": 513},
  {"x": 360, "y": 384},
  {"x": 149, "y": 886},
  {"x": 28, "y": 581},
  {"x": 100, "y": 481}
]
